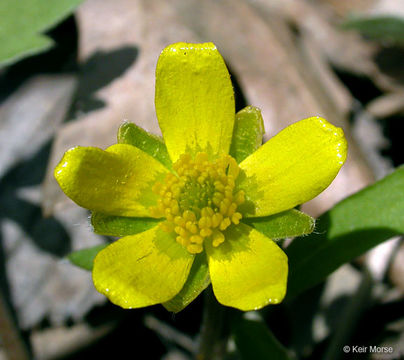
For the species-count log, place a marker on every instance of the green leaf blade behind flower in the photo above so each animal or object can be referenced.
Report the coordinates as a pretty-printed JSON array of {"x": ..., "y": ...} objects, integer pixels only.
[
  {"x": 350, "y": 228},
  {"x": 85, "y": 258},
  {"x": 111, "y": 225},
  {"x": 23, "y": 21},
  {"x": 198, "y": 280},
  {"x": 382, "y": 28},
  {"x": 28, "y": 45},
  {"x": 247, "y": 133},
  {"x": 254, "y": 339},
  {"x": 131, "y": 134},
  {"x": 286, "y": 224}
]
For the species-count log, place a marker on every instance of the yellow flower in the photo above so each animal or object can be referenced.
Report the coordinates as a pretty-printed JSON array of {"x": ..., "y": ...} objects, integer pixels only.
[{"x": 209, "y": 212}]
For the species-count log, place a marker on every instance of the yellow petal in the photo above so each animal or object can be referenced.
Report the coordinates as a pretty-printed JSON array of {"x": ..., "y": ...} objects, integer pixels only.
[
  {"x": 248, "y": 271},
  {"x": 194, "y": 100},
  {"x": 143, "y": 269},
  {"x": 293, "y": 167},
  {"x": 116, "y": 181}
]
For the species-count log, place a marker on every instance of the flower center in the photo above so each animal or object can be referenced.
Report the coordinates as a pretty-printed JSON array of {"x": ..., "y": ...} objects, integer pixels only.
[{"x": 200, "y": 201}]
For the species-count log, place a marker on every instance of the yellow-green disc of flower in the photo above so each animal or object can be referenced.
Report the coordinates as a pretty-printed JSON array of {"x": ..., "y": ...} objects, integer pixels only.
[
  {"x": 194, "y": 100},
  {"x": 249, "y": 270},
  {"x": 292, "y": 167},
  {"x": 116, "y": 181},
  {"x": 141, "y": 270}
]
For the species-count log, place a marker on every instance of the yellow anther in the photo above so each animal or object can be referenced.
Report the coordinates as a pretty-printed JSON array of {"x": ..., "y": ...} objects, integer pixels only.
[
  {"x": 223, "y": 207},
  {"x": 189, "y": 215},
  {"x": 205, "y": 222},
  {"x": 183, "y": 233},
  {"x": 223, "y": 177},
  {"x": 239, "y": 197},
  {"x": 217, "y": 238},
  {"x": 228, "y": 188},
  {"x": 212, "y": 173},
  {"x": 180, "y": 240},
  {"x": 196, "y": 239},
  {"x": 195, "y": 248},
  {"x": 217, "y": 198},
  {"x": 199, "y": 201},
  {"x": 176, "y": 190},
  {"x": 230, "y": 181},
  {"x": 175, "y": 209},
  {"x": 191, "y": 227},
  {"x": 217, "y": 219},
  {"x": 236, "y": 217},
  {"x": 219, "y": 186},
  {"x": 169, "y": 217},
  {"x": 188, "y": 225},
  {"x": 205, "y": 232},
  {"x": 228, "y": 194},
  {"x": 232, "y": 209},
  {"x": 225, "y": 224},
  {"x": 207, "y": 211},
  {"x": 180, "y": 221}
]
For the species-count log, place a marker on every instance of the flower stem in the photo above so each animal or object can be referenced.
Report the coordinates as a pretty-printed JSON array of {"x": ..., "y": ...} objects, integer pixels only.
[{"x": 215, "y": 329}]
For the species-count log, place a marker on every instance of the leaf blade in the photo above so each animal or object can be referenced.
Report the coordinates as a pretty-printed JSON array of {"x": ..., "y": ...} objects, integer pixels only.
[
  {"x": 350, "y": 228},
  {"x": 386, "y": 28},
  {"x": 85, "y": 258},
  {"x": 253, "y": 338},
  {"x": 24, "y": 20}
]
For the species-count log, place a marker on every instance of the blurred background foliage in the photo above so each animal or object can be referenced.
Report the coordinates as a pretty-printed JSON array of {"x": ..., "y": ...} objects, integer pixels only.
[{"x": 72, "y": 71}]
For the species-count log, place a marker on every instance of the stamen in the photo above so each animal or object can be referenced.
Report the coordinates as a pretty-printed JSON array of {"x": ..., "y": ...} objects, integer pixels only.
[{"x": 200, "y": 201}]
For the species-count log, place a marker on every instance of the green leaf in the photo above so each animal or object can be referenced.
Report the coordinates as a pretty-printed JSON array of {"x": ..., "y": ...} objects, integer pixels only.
[
  {"x": 255, "y": 341},
  {"x": 247, "y": 133},
  {"x": 352, "y": 227},
  {"x": 289, "y": 223},
  {"x": 386, "y": 28},
  {"x": 120, "y": 225},
  {"x": 131, "y": 134},
  {"x": 85, "y": 258},
  {"x": 23, "y": 21},
  {"x": 198, "y": 280}
]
